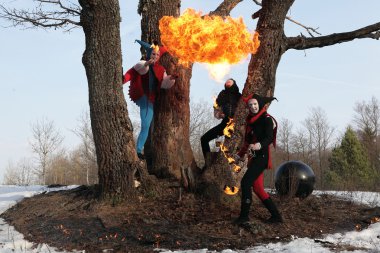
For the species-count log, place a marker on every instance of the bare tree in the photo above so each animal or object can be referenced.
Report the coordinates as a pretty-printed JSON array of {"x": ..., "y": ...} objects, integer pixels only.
[
  {"x": 45, "y": 140},
  {"x": 302, "y": 146},
  {"x": 284, "y": 136},
  {"x": 321, "y": 135},
  {"x": 367, "y": 120},
  {"x": 20, "y": 174},
  {"x": 111, "y": 126},
  {"x": 201, "y": 120},
  {"x": 87, "y": 148}
]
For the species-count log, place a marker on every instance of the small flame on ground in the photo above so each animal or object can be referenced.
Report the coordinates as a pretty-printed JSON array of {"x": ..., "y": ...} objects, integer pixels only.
[
  {"x": 231, "y": 190},
  {"x": 375, "y": 219}
]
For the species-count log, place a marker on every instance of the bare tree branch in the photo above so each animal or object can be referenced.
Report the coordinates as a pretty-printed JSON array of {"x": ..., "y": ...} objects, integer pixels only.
[
  {"x": 225, "y": 8},
  {"x": 310, "y": 30},
  {"x": 43, "y": 16},
  {"x": 307, "y": 28},
  {"x": 301, "y": 42},
  {"x": 257, "y": 2}
]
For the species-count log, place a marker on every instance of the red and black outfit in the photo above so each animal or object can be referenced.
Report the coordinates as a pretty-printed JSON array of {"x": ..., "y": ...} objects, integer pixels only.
[{"x": 260, "y": 128}]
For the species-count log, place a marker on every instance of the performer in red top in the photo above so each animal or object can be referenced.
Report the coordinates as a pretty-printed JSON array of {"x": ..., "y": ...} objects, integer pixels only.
[
  {"x": 146, "y": 79},
  {"x": 259, "y": 134}
]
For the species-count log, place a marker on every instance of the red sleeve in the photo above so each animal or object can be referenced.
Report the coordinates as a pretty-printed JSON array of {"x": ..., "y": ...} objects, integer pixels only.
[{"x": 128, "y": 75}]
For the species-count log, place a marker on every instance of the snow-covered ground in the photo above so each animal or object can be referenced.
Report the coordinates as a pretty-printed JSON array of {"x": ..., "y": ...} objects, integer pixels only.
[
  {"x": 10, "y": 240},
  {"x": 368, "y": 239}
]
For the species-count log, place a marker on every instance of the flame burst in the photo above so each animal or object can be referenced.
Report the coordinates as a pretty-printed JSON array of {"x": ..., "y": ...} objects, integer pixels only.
[{"x": 207, "y": 39}]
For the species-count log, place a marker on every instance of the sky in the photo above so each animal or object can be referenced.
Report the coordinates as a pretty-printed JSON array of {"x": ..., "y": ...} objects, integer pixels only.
[
  {"x": 368, "y": 239},
  {"x": 42, "y": 76}
]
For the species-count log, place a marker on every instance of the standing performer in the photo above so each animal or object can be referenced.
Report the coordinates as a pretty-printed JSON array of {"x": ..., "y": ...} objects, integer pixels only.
[
  {"x": 259, "y": 134},
  {"x": 147, "y": 77}
]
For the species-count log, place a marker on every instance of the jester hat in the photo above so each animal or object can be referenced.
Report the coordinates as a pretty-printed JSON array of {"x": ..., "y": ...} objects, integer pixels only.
[
  {"x": 262, "y": 101},
  {"x": 149, "y": 48}
]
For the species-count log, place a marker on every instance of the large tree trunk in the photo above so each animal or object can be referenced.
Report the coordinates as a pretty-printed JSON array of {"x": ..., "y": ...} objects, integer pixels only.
[
  {"x": 170, "y": 149},
  {"x": 111, "y": 126},
  {"x": 261, "y": 79}
]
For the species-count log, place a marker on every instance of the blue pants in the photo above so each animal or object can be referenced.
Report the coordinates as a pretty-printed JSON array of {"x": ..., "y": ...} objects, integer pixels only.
[{"x": 146, "y": 116}]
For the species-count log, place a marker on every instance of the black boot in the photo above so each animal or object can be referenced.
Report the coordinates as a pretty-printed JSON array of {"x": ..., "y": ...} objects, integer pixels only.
[
  {"x": 276, "y": 216},
  {"x": 244, "y": 211}
]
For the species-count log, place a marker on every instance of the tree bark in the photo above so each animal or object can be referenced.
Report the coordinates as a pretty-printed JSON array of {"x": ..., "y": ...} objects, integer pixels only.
[
  {"x": 111, "y": 126},
  {"x": 261, "y": 80},
  {"x": 169, "y": 146}
]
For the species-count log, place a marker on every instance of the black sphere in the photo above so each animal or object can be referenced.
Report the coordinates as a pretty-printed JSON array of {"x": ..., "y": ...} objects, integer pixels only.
[{"x": 294, "y": 178}]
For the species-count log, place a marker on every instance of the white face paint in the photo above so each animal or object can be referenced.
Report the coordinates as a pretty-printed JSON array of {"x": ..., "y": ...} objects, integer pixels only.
[{"x": 253, "y": 105}]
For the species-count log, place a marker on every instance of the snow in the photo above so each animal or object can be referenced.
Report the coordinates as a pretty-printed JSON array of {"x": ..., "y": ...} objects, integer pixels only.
[
  {"x": 10, "y": 240},
  {"x": 368, "y": 240}
]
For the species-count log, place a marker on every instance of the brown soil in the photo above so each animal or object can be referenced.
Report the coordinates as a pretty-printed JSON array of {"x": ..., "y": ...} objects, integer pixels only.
[{"x": 174, "y": 220}]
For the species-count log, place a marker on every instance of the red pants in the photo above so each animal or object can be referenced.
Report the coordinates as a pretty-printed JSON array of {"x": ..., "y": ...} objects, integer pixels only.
[{"x": 258, "y": 188}]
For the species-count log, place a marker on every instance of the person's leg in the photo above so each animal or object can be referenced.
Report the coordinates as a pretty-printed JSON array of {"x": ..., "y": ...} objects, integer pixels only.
[
  {"x": 211, "y": 134},
  {"x": 255, "y": 168},
  {"x": 146, "y": 116},
  {"x": 258, "y": 189}
]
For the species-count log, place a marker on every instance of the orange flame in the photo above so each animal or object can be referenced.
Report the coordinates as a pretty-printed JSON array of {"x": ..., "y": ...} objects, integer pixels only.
[
  {"x": 207, "y": 39},
  {"x": 215, "y": 105},
  {"x": 231, "y": 190},
  {"x": 375, "y": 219},
  {"x": 224, "y": 149},
  {"x": 229, "y": 129},
  {"x": 236, "y": 168}
]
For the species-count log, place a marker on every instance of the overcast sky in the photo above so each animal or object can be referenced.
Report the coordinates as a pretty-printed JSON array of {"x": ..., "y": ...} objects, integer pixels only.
[{"x": 42, "y": 75}]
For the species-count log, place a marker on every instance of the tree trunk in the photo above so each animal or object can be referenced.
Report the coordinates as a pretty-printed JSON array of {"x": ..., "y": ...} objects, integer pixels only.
[
  {"x": 111, "y": 126},
  {"x": 261, "y": 79},
  {"x": 170, "y": 148}
]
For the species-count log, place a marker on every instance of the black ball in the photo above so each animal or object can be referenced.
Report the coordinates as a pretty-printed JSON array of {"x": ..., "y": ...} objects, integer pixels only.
[{"x": 294, "y": 178}]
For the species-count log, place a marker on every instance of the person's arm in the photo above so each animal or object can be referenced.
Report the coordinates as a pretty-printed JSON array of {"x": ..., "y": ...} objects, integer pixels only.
[{"x": 128, "y": 75}]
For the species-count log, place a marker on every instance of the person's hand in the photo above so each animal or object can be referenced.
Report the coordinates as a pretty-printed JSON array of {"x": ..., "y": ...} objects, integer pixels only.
[
  {"x": 256, "y": 146},
  {"x": 237, "y": 158},
  {"x": 149, "y": 62}
]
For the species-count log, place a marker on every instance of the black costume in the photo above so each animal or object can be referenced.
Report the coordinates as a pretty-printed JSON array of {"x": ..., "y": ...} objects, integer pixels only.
[
  {"x": 227, "y": 100},
  {"x": 260, "y": 129}
]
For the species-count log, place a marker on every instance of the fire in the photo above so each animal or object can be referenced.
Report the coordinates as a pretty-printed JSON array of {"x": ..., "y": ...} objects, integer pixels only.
[
  {"x": 236, "y": 168},
  {"x": 224, "y": 149},
  {"x": 215, "y": 105},
  {"x": 207, "y": 39},
  {"x": 218, "y": 71},
  {"x": 231, "y": 190},
  {"x": 375, "y": 219},
  {"x": 229, "y": 129}
]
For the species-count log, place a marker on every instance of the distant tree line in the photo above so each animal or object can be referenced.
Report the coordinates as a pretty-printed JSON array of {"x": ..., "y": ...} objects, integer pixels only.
[{"x": 346, "y": 161}]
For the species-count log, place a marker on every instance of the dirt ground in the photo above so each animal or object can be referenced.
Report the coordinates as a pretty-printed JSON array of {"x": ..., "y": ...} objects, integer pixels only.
[{"x": 175, "y": 220}]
